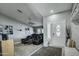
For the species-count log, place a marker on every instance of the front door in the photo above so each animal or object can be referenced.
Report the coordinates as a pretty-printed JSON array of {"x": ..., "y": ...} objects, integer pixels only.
[{"x": 58, "y": 34}]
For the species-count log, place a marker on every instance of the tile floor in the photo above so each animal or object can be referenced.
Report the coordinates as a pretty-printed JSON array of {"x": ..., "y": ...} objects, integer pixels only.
[
  {"x": 36, "y": 50},
  {"x": 25, "y": 50}
]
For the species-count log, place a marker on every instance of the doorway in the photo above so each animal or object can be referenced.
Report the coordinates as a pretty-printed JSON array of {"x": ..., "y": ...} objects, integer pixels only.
[{"x": 56, "y": 34}]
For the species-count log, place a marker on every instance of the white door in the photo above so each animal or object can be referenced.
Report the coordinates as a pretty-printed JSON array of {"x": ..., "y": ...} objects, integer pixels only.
[{"x": 58, "y": 34}]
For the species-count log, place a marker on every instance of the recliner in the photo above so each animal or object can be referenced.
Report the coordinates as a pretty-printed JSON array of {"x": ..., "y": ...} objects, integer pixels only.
[
  {"x": 37, "y": 39},
  {"x": 27, "y": 40}
]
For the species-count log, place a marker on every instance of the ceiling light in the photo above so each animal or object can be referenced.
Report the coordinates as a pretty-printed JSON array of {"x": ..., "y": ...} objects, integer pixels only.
[{"x": 51, "y": 11}]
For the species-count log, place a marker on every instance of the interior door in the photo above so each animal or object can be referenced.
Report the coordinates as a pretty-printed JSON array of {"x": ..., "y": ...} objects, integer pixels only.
[{"x": 57, "y": 34}]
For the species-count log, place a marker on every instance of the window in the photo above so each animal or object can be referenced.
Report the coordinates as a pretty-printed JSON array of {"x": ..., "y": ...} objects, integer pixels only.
[
  {"x": 58, "y": 26},
  {"x": 58, "y": 34},
  {"x": 58, "y": 30}
]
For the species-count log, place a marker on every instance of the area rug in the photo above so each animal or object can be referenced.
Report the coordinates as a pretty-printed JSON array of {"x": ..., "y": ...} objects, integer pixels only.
[{"x": 48, "y": 51}]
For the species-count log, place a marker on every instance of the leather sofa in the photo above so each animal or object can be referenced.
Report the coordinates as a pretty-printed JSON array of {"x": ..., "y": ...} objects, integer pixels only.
[{"x": 35, "y": 39}]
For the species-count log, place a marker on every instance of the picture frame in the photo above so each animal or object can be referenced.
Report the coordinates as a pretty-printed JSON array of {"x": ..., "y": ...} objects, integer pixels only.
[
  {"x": 10, "y": 29},
  {"x": 1, "y": 29}
]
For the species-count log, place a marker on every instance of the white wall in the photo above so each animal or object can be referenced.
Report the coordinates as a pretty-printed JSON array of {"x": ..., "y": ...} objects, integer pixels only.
[
  {"x": 75, "y": 34},
  {"x": 17, "y": 35},
  {"x": 65, "y": 16}
]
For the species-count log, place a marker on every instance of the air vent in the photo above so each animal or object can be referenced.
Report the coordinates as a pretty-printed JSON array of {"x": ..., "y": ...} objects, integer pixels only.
[{"x": 19, "y": 11}]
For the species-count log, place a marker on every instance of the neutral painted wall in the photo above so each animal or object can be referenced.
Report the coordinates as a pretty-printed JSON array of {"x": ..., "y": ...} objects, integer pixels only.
[
  {"x": 65, "y": 16},
  {"x": 17, "y": 35},
  {"x": 75, "y": 33}
]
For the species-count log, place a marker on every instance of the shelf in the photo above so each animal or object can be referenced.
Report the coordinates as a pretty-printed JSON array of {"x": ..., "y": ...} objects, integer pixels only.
[{"x": 75, "y": 14}]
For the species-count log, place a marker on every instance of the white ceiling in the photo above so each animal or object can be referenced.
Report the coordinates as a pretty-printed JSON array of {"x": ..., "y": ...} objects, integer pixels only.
[
  {"x": 44, "y": 8},
  {"x": 35, "y": 11},
  {"x": 11, "y": 11}
]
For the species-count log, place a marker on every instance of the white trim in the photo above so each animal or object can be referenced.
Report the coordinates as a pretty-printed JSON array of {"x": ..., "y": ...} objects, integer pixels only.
[{"x": 63, "y": 51}]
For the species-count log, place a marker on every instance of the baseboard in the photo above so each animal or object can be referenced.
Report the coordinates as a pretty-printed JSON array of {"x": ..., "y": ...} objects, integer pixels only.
[{"x": 15, "y": 43}]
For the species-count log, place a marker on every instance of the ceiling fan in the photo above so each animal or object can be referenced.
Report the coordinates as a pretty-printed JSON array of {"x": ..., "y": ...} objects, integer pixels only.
[{"x": 30, "y": 22}]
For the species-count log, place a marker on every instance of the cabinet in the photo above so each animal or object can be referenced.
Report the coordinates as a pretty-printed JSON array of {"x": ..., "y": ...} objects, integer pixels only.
[{"x": 7, "y": 48}]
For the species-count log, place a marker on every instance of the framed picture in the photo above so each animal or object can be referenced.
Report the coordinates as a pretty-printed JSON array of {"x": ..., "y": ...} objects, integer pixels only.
[
  {"x": 10, "y": 29},
  {"x": 6, "y": 29},
  {"x": 26, "y": 29},
  {"x": 1, "y": 29}
]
